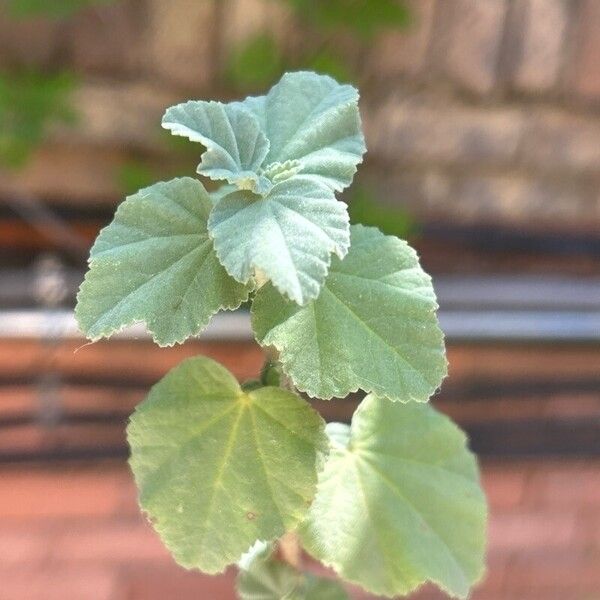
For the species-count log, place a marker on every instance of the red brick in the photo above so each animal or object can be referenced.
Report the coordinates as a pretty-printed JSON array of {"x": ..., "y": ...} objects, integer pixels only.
[
  {"x": 38, "y": 494},
  {"x": 60, "y": 584},
  {"x": 23, "y": 547},
  {"x": 177, "y": 584},
  {"x": 584, "y": 70},
  {"x": 527, "y": 532},
  {"x": 504, "y": 487},
  {"x": 108, "y": 543},
  {"x": 569, "y": 487},
  {"x": 575, "y": 574}
]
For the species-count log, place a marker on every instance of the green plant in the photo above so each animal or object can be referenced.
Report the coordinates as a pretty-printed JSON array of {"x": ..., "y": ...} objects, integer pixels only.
[
  {"x": 29, "y": 103},
  {"x": 55, "y": 9},
  {"x": 326, "y": 28},
  {"x": 389, "y": 502}
]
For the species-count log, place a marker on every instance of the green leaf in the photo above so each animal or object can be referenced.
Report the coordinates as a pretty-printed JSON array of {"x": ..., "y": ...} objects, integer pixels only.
[
  {"x": 399, "y": 502},
  {"x": 319, "y": 588},
  {"x": 217, "y": 467},
  {"x": 373, "y": 326},
  {"x": 315, "y": 120},
  {"x": 264, "y": 577},
  {"x": 156, "y": 263},
  {"x": 256, "y": 64},
  {"x": 287, "y": 236},
  {"x": 236, "y": 146}
]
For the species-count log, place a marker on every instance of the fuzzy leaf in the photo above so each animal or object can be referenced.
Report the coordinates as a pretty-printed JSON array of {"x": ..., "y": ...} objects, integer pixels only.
[
  {"x": 156, "y": 263},
  {"x": 373, "y": 326},
  {"x": 236, "y": 146},
  {"x": 399, "y": 502},
  {"x": 263, "y": 577},
  {"x": 288, "y": 235},
  {"x": 315, "y": 120},
  {"x": 218, "y": 467}
]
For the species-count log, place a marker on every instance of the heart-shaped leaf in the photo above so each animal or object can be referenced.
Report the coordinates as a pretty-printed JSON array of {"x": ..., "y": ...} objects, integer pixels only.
[
  {"x": 219, "y": 467},
  {"x": 399, "y": 502}
]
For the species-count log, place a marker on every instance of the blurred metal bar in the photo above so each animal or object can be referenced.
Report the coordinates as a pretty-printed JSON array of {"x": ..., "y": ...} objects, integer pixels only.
[
  {"x": 521, "y": 326},
  {"x": 34, "y": 323},
  {"x": 517, "y": 291},
  {"x": 458, "y": 325},
  {"x": 453, "y": 291}
]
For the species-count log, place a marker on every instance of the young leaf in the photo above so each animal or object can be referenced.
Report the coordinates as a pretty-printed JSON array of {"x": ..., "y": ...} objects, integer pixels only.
[
  {"x": 399, "y": 502},
  {"x": 373, "y": 326},
  {"x": 288, "y": 235},
  {"x": 263, "y": 577},
  {"x": 236, "y": 146},
  {"x": 218, "y": 467},
  {"x": 315, "y": 120},
  {"x": 156, "y": 263}
]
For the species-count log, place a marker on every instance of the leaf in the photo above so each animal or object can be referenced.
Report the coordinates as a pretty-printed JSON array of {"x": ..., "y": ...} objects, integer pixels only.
[
  {"x": 261, "y": 577},
  {"x": 264, "y": 577},
  {"x": 373, "y": 326},
  {"x": 399, "y": 502},
  {"x": 236, "y": 146},
  {"x": 217, "y": 467},
  {"x": 287, "y": 236},
  {"x": 319, "y": 588},
  {"x": 315, "y": 120},
  {"x": 156, "y": 263}
]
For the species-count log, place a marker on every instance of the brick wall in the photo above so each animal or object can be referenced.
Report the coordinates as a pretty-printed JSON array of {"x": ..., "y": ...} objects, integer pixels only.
[{"x": 483, "y": 110}]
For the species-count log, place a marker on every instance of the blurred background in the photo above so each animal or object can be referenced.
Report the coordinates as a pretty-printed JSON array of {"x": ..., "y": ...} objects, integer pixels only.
[{"x": 482, "y": 120}]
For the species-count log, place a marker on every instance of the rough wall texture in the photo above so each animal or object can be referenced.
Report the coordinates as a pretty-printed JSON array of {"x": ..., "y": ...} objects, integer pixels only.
[{"x": 483, "y": 110}]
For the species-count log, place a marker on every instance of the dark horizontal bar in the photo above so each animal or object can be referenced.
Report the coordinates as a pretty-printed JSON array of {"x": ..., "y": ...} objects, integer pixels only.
[
  {"x": 523, "y": 438},
  {"x": 528, "y": 438},
  {"x": 108, "y": 418},
  {"x": 508, "y": 240},
  {"x": 470, "y": 389},
  {"x": 60, "y": 455}
]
